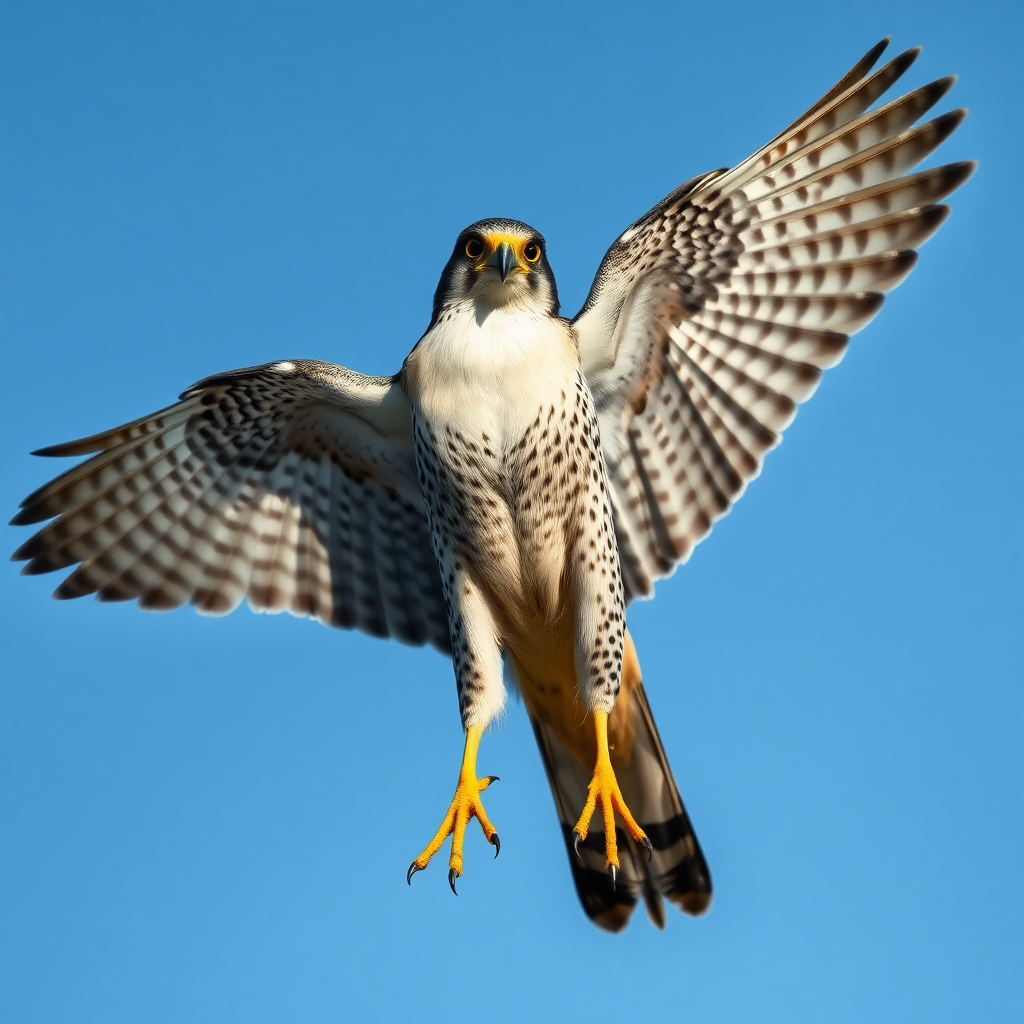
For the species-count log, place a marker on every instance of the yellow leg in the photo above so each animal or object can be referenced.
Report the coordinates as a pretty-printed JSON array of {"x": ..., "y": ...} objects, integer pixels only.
[
  {"x": 465, "y": 804},
  {"x": 604, "y": 790}
]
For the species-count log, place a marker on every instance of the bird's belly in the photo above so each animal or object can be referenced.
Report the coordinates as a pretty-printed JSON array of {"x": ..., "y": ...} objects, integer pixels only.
[
  {"x": 507, "y": 510},
  {"x": 513, "y": 538},
  {"x": 546, "y": 678}
]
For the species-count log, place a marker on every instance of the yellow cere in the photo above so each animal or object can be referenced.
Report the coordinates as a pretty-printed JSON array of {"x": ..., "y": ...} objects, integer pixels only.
[{"x": 518, "y": 244}]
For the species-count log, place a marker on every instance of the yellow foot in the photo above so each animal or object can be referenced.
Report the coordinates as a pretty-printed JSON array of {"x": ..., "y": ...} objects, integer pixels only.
[
  {"x": 604, "y": 790},
  {"x": 465, "y": 804}
]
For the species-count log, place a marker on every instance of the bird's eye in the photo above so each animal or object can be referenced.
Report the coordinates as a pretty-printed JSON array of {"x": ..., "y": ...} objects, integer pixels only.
[
  {"x": 532, "y": 252},
  {"x": 474, "y": 248}
]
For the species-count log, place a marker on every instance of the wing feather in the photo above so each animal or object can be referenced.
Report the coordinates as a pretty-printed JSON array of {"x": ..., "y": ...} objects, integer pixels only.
[
  {"x": 273, "y": 568},
  {"x": 836, "y": 181},
  {"x": 850, "y": 96},
  {"x": 231, "y": 533},
  {"x": 882, "y": 273},
  {"x": 871, "y": 206},
  {"x": 714, "y": 315},
  {"x": 343, "y": 543},
  {"x": 116, "y": 530},
  {"x": 861, "y": 143},
  {"x": 134, "y": 551},
  {"x": 841, "y": 105},
  {"x": 291, "y": 485}
]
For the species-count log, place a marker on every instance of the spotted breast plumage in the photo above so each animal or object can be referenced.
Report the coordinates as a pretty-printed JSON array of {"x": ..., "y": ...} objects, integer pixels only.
[{"x": 523, "y": 477}]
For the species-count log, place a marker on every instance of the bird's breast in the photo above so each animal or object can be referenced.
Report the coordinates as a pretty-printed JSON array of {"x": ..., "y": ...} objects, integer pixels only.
[
  {"x": 500, "y": 450},
  {"x": 473, "y": 371}
]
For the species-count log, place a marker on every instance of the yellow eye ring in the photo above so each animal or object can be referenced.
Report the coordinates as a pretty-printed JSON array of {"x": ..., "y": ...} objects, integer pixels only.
[
  {"x": 531, "y": 251},
  {"x": 474, "y": 248}
]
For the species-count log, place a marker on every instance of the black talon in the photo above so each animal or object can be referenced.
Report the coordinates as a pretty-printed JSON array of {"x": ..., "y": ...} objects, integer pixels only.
[
  {"x": 451, "y": 879},
  {"x": 413, "y": 868},
  {"x": 576, "y": 843},
  {"x": 648, "y": 848},
  {"x": 493, "y": 778},
  {"x": 613, "y": 873},
  {"x": 496, "y": 843}
]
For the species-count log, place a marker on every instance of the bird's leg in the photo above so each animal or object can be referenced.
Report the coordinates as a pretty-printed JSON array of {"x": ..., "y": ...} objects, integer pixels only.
[
  {"x": 604, "y": 790},
  {"x": 476, "y": 659},
  {"x": 465, "y": 804}
]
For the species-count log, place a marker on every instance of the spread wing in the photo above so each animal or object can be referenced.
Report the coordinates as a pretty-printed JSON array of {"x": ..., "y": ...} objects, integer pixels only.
[
  {"x": 291, "y": 484},
  {"x": 715, "y": 314}
]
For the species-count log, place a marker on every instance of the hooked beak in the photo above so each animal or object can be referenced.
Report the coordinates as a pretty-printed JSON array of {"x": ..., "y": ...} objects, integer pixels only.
[{"x": 503, "y": 259}]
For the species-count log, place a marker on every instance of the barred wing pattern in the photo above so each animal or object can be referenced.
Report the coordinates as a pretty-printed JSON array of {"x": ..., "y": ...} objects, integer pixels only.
[
  {"x": 715, "y": 314},
  {"x": 291, "y": 484}
]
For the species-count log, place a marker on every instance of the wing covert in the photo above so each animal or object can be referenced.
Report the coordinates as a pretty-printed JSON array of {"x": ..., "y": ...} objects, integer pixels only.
[
  {"x": 713, "y": 316},
  {"x": 291, "y": 485}
]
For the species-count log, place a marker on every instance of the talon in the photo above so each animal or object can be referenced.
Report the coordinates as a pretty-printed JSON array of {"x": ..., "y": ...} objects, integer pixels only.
[
  {"x": 466, "y": 804},
  {"x": 482, "y": 784},
  {"x": 604, "y": 792},
  {"x": 576, "y": 843}
]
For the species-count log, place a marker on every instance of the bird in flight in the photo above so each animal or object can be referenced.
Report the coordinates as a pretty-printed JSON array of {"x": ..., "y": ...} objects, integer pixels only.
[{"x": 523, "y": 477}]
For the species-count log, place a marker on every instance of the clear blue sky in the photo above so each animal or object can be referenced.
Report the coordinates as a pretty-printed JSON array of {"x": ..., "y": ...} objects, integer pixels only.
[{"x": 210, "y": 820}]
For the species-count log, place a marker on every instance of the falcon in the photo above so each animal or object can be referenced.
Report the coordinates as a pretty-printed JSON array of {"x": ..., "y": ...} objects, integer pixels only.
[{"x": 523, "y": 477}]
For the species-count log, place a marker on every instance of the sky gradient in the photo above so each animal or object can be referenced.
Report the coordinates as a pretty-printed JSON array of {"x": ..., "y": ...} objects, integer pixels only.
[{"x": 211, "y": 819}]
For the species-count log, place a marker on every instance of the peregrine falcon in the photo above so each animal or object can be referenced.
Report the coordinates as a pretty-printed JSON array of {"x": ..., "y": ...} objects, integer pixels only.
[{"x": 523, "y": 477}]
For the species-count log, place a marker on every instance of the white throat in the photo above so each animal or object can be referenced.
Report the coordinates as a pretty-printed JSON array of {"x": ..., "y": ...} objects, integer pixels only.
[{"x": 499, "y": 365}]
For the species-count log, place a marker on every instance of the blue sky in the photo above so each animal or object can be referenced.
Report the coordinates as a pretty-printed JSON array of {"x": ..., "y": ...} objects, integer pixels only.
[{"x": 210, "y": 820}]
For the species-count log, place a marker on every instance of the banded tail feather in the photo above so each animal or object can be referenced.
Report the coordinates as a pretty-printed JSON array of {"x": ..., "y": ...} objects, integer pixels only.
[{"x": 677, "y": 870}]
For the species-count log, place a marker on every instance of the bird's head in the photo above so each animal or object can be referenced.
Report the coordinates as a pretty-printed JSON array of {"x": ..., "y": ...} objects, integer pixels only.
[{"x": 498, "y": 263}]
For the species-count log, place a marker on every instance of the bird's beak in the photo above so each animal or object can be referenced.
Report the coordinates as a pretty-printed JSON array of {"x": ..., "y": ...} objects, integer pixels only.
[{"x": 503, "y": 259}]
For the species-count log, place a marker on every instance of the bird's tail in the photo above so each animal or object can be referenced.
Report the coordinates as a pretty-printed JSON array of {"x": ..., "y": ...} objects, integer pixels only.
[{"x": 677, "y": 870}]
